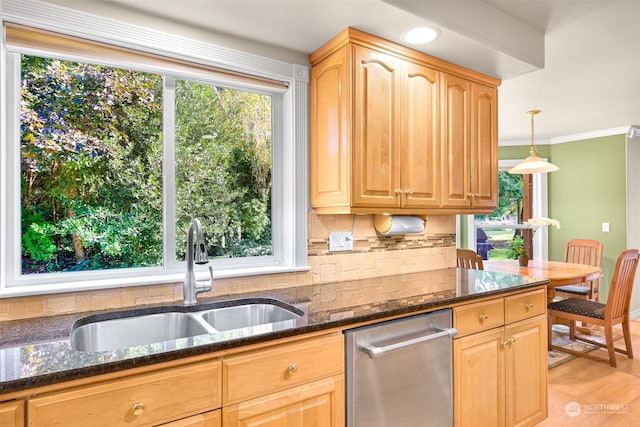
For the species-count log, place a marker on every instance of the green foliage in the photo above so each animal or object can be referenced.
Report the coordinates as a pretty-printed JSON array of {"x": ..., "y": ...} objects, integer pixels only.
[
  {"x": 225, "y": 137},
  {"x": 510, "y": 195},
  {"x": 516, "y": 248},
  {"x": 36, "y": 240},
  {"x": 92, "y": 178}
]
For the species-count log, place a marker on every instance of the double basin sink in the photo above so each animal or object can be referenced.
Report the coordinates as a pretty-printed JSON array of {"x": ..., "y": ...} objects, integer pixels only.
[{"x": 118, "y": 330}]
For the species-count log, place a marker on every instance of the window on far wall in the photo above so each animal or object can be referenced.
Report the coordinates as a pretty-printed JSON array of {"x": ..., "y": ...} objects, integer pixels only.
[{"x": 115, "y": 160}]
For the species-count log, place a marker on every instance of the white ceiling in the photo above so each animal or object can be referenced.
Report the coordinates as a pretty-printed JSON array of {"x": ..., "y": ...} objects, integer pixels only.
[{"x": 576, "y": 60}]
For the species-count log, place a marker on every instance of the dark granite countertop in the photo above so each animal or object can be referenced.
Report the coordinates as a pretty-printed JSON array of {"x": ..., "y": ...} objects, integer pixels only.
[{"x": 38, "y": 352}]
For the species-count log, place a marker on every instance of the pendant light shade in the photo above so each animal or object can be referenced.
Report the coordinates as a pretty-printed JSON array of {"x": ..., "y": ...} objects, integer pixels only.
[{"x": 533, "y": 163}]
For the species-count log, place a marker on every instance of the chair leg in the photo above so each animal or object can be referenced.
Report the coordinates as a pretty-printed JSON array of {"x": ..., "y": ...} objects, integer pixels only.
[
  {"x": 572, "y": 330},
  {"x": 627, "y": 338},
  {"x": 608, "y": 333}
]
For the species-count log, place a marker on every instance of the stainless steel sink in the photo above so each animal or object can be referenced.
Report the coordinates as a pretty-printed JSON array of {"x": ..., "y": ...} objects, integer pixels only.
[
  {"x": 247, "y": 315},
  {"x": 113, "y": 331},
  {"x": 137, "y": 330}
]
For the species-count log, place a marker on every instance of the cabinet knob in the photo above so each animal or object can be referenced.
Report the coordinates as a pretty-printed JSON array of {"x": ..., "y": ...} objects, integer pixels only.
[
  {"x": 398, "y": 191},
  {"x": 484, "y": 317},
  {"x": 469, "y": 196},
  {"x": 478, "y": 195},
  {"x": 292, "y": 369},
  {"x": 528, "y": 306},
  {"x": 506, "y": 343},
  {"x": 139, "y": 408},
  {"x": 408, "y": 192}
]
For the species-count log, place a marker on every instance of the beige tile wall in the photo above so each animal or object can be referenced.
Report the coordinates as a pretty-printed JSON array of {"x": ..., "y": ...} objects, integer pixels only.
[{"x": 373, "y": 256}]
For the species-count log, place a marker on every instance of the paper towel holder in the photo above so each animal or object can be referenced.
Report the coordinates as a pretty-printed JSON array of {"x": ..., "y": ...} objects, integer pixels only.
[{"x": 389, "y": 225}]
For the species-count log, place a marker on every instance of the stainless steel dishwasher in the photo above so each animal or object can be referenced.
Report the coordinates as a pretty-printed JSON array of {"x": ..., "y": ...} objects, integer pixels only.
[{"x": 399, "y": 372}]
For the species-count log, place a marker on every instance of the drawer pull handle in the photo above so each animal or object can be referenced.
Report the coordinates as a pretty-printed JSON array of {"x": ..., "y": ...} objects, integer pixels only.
[
  {"x": 139, "y": 408},
  {"x": 292, "y": 369},
  {"x": 484, "y": 317},
  {"x": 529, "y": 306}
]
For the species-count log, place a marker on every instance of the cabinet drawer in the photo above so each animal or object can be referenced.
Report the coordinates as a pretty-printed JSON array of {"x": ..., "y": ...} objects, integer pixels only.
[
  {"x": 276, "y": 369},
  {"x": 479, "y": 316},
  {"x": 157, "y": 397},
  {"x": 523, "y": 306}
]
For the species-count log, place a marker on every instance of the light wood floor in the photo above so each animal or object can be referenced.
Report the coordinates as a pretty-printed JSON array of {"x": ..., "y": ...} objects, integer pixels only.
[{"x": 602, "y": 395}]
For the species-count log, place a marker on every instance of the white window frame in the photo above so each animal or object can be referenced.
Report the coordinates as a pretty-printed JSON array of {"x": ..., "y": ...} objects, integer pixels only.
[{"x": 289, "y": 154}]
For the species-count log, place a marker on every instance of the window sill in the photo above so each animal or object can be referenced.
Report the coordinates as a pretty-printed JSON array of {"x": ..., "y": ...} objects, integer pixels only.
[{"x": 145, "y": 280}]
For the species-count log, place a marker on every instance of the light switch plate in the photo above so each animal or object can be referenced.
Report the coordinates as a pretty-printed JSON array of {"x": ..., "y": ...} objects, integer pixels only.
[
  {"x": 605, "y": 227},
  {"x": 340, "y": 241}
]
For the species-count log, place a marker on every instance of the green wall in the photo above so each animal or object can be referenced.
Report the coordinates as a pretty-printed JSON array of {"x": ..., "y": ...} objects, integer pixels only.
[{"x": 589, "y": 189}]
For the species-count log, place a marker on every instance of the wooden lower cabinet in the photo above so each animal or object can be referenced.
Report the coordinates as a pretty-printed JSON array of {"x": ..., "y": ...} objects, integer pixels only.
[
  {"x": 12, "y": 414},
  {"x": 500, "y": 374},
  {"x": 296, "y": 382},
  {"x": 208, "y": 419},
  {"x": 318, "y": 404}
]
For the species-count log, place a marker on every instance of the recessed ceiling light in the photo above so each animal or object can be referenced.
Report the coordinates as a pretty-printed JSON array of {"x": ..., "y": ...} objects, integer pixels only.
[{"x": 421, "y": 35}]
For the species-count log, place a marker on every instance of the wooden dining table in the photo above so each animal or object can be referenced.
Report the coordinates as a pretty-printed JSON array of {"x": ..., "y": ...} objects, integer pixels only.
[{"x": 558, "y": 273}]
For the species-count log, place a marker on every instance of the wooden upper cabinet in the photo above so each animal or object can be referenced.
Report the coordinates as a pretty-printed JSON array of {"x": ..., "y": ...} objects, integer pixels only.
[
  {"x": 377, "y": 125},
  {"x": 470, "y": 140},
  {"x": 421, "y": 137},
  {"x": 377, "y": 139},
  {"x": 484, "y": 146},
  {"x": 456, "y": 141}
]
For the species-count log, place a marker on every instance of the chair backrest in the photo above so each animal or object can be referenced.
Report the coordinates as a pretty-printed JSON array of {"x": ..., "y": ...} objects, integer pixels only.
[
  {"x": 622, "y": 284},
  {"x": 469, "y": 259},
  {"x": 583, "y": 251}
]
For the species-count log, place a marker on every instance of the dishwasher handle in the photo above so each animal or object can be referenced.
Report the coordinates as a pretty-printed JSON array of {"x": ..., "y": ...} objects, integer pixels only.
[{"x": 373, "y": 351}]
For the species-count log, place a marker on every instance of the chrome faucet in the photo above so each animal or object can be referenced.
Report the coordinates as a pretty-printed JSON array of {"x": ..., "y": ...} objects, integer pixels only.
[{"x": 192, "y": 287}]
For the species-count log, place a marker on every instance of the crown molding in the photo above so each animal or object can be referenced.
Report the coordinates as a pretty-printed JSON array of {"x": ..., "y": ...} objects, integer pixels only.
[{"x": 576, "y": 136}]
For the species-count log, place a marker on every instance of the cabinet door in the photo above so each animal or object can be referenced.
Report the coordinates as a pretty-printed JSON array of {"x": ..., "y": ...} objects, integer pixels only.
[
  {"x": 329, "y": 154},
  {"x": 318, "y": 404},
  {"x": 421, "y": 186},
  {"x": 12, "y": 414},
  {"x": 478, "y": 379},
  {"x": 526, "y": 372},
  {"x": 456, "y": 143},
  {"x": 484, "y": 146},
  {"x": 208, "y": 419},
  {"x": 377, "y": 129}
]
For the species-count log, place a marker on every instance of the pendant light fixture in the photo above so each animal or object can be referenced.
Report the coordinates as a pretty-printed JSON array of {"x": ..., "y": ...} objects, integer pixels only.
[{"x": 533, "y": 163}]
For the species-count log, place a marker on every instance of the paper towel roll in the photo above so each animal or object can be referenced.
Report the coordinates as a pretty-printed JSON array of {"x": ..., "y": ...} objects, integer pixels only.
[{"x": 398, "y": 224}]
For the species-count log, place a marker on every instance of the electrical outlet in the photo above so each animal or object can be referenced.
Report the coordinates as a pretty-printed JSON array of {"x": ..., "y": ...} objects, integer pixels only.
[
  {"x": 340, "y": 241},
  {"x": 605, "y": 227}
]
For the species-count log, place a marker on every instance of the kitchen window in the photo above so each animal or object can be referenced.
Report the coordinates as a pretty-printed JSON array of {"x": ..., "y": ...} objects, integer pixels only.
[{"x": 109, "y": 153}]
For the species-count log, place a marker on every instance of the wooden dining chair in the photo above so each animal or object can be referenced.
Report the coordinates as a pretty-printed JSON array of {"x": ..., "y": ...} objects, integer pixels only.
[
  {"x": 615, "y": 311},
  {"x": 469, "y": 259},
  {"x": 582, "y": 251}
]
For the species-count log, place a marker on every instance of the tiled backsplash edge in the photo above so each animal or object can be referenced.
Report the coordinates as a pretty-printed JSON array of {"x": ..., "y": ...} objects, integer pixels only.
[{"x": 373, "y": 256}]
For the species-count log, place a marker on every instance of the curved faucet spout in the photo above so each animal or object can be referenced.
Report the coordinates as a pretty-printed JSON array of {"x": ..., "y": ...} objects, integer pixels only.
[{"x": 191, "y": 286}]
